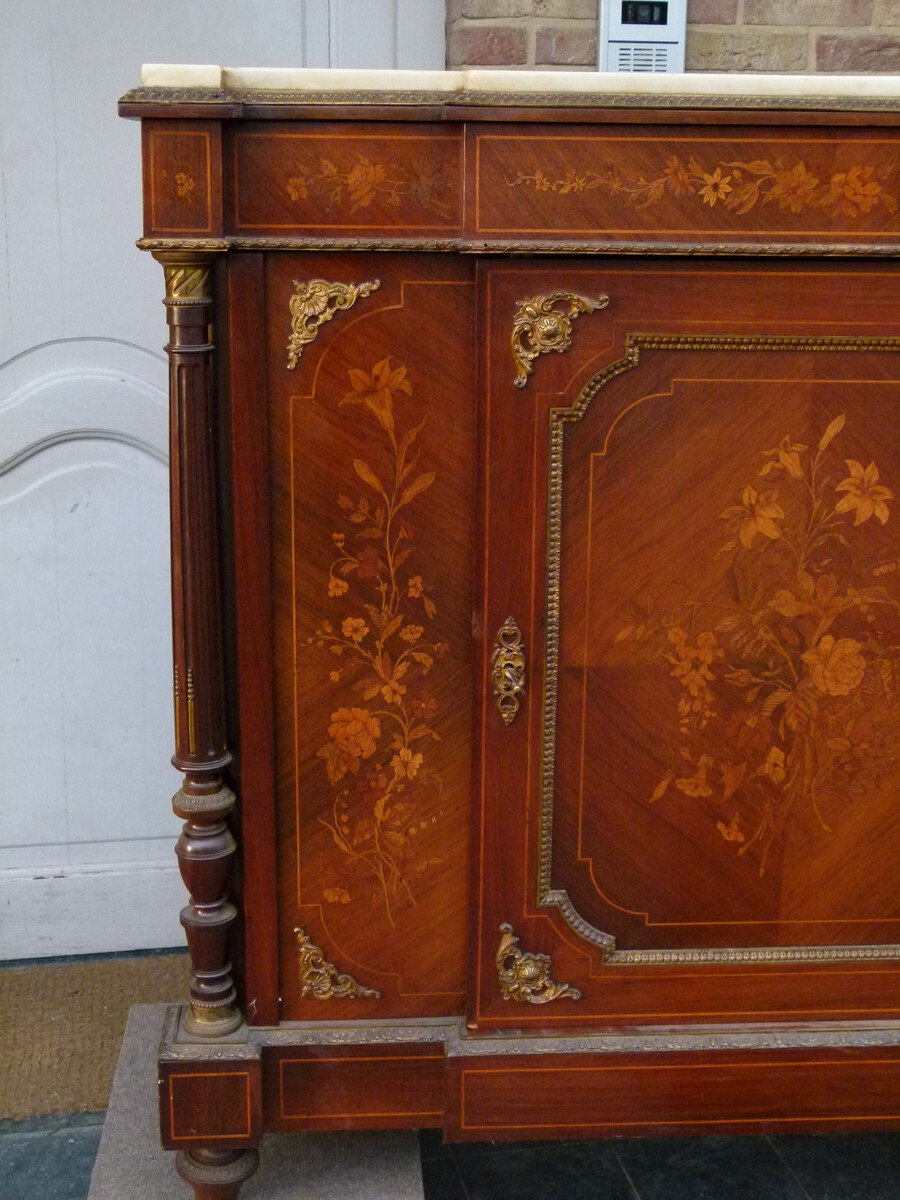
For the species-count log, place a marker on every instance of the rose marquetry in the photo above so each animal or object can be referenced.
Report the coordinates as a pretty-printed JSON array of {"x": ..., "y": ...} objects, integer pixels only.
[{"x": 536, "y": 607}]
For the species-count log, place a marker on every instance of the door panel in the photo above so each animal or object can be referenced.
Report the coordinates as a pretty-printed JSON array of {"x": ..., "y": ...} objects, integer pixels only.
[
  {"x": 371, "y": 450},
  {"x": 689, "y": 516}
]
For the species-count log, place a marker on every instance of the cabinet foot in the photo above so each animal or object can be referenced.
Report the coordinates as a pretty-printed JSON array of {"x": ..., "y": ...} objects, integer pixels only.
[{"x": 216, "y": 1174}]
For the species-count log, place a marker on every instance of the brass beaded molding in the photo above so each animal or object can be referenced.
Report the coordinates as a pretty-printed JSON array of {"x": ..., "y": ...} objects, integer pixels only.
[
  {"x": 548, "y": 896},
  {"x": 463, "y": 245},
  {"x": 257, "y": 96}
]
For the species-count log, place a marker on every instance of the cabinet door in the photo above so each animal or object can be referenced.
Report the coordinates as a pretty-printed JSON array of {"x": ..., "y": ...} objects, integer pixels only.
[{"x": 689, "y": 690}]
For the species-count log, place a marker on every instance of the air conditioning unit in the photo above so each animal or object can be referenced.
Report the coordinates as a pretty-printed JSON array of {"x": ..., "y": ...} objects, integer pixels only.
[{"x": 642, "y": 35}]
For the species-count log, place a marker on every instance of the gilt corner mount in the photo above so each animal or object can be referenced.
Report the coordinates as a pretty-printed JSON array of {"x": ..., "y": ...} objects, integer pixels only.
[
  {"x": 539, "y": 327},
  {"x": 526, "y": 977},
  {"x": 321, "y": 979},
  {"x": 314, "y": 302}
]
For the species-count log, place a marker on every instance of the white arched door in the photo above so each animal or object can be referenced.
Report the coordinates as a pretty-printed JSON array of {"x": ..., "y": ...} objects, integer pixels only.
[{"x": 86, "y": 828}]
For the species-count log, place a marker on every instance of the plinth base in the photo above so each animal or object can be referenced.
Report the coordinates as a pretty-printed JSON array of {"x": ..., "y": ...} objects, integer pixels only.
[{"x": 312, "y": 1166}]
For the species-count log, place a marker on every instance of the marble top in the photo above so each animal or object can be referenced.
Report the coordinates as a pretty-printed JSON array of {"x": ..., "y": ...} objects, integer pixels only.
[{"x": 492, "y": 87}]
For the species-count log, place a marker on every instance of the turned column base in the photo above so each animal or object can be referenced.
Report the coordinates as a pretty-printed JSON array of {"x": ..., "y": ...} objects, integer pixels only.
[
  {"x": 216, "y": 1174},
  {"x": 204, "y": 851},
  {"x": 213, "y": 1023}
]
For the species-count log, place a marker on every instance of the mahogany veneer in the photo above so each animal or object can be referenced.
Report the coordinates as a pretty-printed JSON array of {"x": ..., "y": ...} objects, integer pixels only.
[{"x": 535, "y": 583}]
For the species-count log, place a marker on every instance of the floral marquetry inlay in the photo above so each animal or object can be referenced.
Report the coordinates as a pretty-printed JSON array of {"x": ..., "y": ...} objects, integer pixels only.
[
  {"x": 358, "y": 184},
  {"x": 379, "y": 733},
  {"x": 180, "y": 181},
  {"x": 789, "y": 673},
  {"x": 738, "y": 186}
]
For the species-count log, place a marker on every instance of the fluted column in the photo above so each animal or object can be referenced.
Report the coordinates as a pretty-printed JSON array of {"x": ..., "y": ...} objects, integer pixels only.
[{"x": 206, "y": 847}]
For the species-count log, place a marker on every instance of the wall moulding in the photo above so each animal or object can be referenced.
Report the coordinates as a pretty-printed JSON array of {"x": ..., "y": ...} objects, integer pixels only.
[{"x": 82, "y": 390}]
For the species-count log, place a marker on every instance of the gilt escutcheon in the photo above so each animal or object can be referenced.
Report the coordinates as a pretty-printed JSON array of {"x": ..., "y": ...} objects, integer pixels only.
[{"x": 508, "y": 673}]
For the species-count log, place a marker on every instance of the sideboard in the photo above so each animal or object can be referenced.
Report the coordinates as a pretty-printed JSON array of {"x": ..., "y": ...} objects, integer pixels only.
[{"x": 535, "y": 462}]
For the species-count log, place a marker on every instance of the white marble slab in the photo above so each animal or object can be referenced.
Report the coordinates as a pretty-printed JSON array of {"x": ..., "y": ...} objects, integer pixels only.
[{"x": 498, "y": 83}]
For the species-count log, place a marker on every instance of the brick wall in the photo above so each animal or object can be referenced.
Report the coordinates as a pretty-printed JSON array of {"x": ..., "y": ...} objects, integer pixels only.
[{"x": 722, "y": 35}]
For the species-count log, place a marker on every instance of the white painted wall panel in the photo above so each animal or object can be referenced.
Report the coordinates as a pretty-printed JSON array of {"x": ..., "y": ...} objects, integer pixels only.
[
  {"x": 365, "y": 34},
  {"x": 5, "y": 293},
  {"x": 315, "y": 16},
  {"x": 85, "y": 656},
  {"x": 64, "y": 908},
  {"x": 420, "y": 35},
  {"x": 33, "y": 782},
  {"x": 373, "y": 33}
]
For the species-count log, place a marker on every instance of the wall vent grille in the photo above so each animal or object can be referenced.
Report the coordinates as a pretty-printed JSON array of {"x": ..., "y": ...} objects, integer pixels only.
[{"x": 642, "y": 57}]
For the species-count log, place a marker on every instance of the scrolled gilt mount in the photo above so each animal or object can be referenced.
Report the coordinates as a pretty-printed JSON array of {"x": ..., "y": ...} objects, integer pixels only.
[
  {"x": 314, "y": 302},
  {"x": 322, "y": 980},
  {"x": 540, "y": 326},
  {"x": 508, "y": 672},
  {"x": 526, "y": 977}
]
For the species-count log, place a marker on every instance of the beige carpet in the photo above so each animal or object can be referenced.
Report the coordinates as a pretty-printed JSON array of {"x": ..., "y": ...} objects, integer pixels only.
[{"x": 61, "y": 1028}]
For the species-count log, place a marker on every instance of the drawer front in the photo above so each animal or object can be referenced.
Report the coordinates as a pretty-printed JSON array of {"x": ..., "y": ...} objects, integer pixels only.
[
  {"x": 346, "y": 180},
  {"x": 464, "y": 185},
  {"x": 568, "y": 1096},
  {"x": 683, "y": 185},
  {"x": 203, "y": 1101},
  {"x": 354, "y": 1087}
]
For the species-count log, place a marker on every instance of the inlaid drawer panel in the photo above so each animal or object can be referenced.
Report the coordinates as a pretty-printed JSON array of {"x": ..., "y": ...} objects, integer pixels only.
[
  {"x": 354, "y": 1087},
  {"x": 202, "y": 1101},
  {"x": 346, "y": 180},
  {"x": 683, "y": 184},
  {"x": 496, "y": 1098}
]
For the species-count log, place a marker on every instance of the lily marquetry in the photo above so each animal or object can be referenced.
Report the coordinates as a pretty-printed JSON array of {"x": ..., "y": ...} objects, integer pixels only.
[{"x": 378, "y": 753}]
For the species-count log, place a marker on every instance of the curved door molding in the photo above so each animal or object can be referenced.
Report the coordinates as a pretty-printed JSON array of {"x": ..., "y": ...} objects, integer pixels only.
[{"x": 801, "y": 698}]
